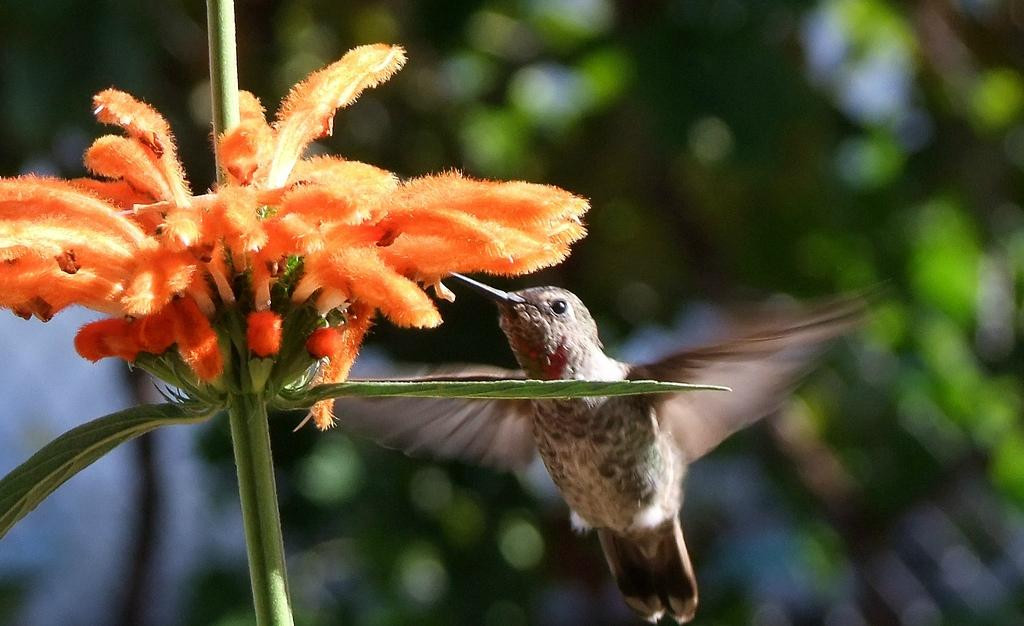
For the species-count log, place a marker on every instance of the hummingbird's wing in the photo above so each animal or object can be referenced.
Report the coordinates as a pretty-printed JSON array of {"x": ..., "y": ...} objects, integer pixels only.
[
  {"x": 495, "y": 433},
  {"x": 760, "y": 360}
]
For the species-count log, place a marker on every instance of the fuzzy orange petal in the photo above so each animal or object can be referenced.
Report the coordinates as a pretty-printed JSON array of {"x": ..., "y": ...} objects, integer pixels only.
[
  {"x": 345, "y": 191},
  {"x": 336, "y": 172},
  {"x": 44, "y": 197},
  {"x": 182, "y": 228},
  {"x": 263, "y": 333},
  {"x": 108, "y": 337},
  {"x": 89, "y": 341},
  {"x": 294, "y": 234},
  {"x": 290, "y": 234},
  {"x": 307, "y": 113},
  {"x": 561, "y": 233},
  {"x": 320, "y": 204},
  {"x": 123, "y": 158},
  {"x": 322, "y": 413},
  {"x": 361, "y": 274},
  {"x": 247, "y": 148},
  {"x": 61, "y": 245},
  {"x": 323, "y": 342},
  {"x": 526, "y": 226},
  {"x": 155, "y": 333},
  {"x": 125, "y": 197},
  {"x": 117, "y": 192},
  {"x": 343, "y": 354},
  {"x": 518, "y": 204},
  {"x": 464, "y": 232},
  {"x": 33, "y": 285},
  {"x": 144, "y": 123},
  {"x": 418, "y": 255},
  {"x": 159, "y": 276},
  {"x": 138, "y": 119},
  {"x": 361, "y": 235},
  {"x": 233, "y": 218},
  {"x": 85, "y": 288},
  {"x": 452, "y": 223},
  {"x": 196, "y": 339},
  {"x": 53, "y": 237},
  {"x": 429, "y": 258}
]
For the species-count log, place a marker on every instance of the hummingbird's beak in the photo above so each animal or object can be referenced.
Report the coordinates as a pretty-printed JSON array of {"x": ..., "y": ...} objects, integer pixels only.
[{"x": 499, "y": 296}]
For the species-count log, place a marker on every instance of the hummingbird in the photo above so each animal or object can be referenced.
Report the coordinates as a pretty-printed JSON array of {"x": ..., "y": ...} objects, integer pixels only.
[{"x": 619, "y": 462}]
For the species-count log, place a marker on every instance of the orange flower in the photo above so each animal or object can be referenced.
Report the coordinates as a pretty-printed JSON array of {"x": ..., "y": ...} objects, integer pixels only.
[
  {"x": 263, "y": 333},
  {"x": 324, "y": 342},
  {"x": 341, "y": 349},
  {"x": 284, "y": 234}
]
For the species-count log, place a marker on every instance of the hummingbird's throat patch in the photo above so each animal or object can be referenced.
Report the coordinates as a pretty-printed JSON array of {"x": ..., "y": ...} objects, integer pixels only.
[
  {"x": 555, "y": 363},
  {"x": 548, "y": 366}
]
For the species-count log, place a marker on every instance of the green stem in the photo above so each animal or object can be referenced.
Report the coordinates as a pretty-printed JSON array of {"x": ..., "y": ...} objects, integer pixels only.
[
  {"x": 250, "y": 438},
  {"x": 220, "y": 19},
  {"x": 250, "y": 435}
]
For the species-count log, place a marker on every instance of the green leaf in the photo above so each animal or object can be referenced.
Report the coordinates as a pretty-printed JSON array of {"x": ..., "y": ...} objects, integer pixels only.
[
  {"x": 31, "y": 482},
  {"x": 488, "y": 390}
]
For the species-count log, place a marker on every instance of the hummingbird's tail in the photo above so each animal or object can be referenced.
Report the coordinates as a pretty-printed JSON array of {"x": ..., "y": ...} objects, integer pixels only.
[{"x": 653, "y": 571}]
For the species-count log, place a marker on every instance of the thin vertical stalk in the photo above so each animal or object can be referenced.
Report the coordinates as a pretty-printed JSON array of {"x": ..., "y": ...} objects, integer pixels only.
[
  {"x": 220, "y": 18},
  {"x": 250, "y": 438},
  {"x": 247, "y": 413}
]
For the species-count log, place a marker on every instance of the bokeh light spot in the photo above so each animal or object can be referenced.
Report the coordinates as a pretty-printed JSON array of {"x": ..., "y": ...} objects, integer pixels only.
[
  {"x": 710, "y": 140},
  {"x": 421, "y": 575},
  {"x": 430, "y": 490},
  {"x": 997, "y": 99},
  {"x": 520, "y": 543},
  {"x": 332, "y": 473}
]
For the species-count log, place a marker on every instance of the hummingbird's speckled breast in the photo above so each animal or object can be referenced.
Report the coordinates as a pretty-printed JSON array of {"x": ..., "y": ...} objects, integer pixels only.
[{"x": 608, "y": 460}]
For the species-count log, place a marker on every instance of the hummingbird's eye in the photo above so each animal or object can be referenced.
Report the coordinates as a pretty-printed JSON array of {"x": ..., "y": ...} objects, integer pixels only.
[{"x": 559, "y": 307}]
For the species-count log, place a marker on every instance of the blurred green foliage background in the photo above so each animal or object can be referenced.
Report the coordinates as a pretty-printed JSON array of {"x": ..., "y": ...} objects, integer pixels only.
[{"x": 731, "y": 150}]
